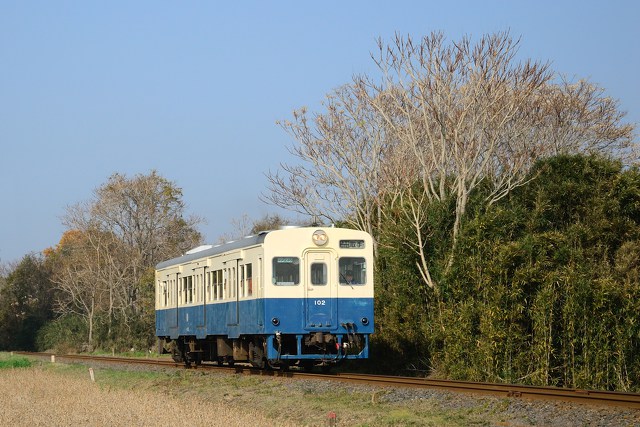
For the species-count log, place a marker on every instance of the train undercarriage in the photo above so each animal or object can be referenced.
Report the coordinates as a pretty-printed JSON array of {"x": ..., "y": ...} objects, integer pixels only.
[{"x": 279, "y": 351}]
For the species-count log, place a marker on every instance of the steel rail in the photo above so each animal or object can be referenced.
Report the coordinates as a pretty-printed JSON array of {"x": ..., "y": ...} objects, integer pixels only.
[{"x": 592, "y": 397}]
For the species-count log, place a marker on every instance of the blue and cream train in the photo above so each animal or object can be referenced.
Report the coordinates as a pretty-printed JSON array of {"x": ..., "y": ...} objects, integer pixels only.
[{"x": 296, "y": 296}]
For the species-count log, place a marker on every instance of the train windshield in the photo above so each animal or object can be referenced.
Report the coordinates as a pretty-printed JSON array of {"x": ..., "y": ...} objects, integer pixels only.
[{"x": 353, "y": 271}]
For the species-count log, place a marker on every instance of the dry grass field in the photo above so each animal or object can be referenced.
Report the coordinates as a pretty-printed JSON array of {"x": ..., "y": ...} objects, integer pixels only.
[
  {"x": 41, "y": 397},
  {"x": 38, "y": 393},
  {"x": 58, "y": 394}
]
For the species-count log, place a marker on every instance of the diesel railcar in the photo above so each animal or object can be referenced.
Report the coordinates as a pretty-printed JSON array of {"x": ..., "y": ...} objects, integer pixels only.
[{"x": 295, "y": 296}]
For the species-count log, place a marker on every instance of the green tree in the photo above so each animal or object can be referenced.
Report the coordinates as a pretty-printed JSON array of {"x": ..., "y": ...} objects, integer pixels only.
[
  {"x": 544, "y": 290},
  {"x": 25, "y": 303}
]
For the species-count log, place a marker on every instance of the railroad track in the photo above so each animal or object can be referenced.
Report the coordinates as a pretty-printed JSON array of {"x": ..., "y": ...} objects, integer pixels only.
[{"x": 590, "y": 397}]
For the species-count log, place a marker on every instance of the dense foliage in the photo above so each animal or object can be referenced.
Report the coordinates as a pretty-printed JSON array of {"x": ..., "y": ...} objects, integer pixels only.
[
  {"x": 542, "y": 290},
  {"x": 25, "y": 303}
]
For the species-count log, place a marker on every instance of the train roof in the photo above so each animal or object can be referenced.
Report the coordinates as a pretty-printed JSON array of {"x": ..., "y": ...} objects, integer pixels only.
[
  {"x": 255, "y": 239},
  {"x": 248, "y": 241}
]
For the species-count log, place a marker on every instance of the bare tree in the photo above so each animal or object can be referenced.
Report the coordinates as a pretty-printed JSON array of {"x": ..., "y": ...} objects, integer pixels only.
[
  {"x": 80, "y": 293},
  {"x": 471, "y": 113},
  {"x": 580, "y": 118},
  {"x": 129, "y": 226},
  {"x": 245, "y": 226},
  {"x": 146, "y": 214},
  {"x": 444, "y": 119},
  {"x": 268, "y": 222},
  {"x": 457, "y": 107},
  {"x": 341, "y": 154},
  {"x": 241, "y": 226}
]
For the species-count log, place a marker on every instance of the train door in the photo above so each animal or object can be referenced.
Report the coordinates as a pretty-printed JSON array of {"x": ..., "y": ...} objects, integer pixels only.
[
  {"x": 259, "y": 283},
  {"x": 232, "y": 293},
  {"x": 320, "y": 291},
  {"x": 173, "y": 320},
  {"x": 201, "y": 298}
]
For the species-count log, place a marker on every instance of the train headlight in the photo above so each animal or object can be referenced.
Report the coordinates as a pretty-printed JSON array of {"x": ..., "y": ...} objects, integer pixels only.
[
  {"x": 320, "y": 238},
  {"x": 275, "y": 321},
  {"x": 364, "y": 321}
]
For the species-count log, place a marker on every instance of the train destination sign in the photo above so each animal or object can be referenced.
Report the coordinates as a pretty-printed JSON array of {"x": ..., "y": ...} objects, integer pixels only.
[{"x": 352, "y": 244}]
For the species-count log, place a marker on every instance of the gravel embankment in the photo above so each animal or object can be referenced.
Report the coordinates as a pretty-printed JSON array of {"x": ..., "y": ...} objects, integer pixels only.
[{"x": 491, "y": 411}]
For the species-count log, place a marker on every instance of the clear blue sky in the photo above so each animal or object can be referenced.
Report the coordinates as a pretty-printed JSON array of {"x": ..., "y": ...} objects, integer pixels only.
[{"x": 193, "y": 89}]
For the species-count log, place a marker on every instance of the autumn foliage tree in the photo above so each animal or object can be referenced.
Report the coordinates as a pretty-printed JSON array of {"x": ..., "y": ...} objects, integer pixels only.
[{"x": 104, "y": 262}]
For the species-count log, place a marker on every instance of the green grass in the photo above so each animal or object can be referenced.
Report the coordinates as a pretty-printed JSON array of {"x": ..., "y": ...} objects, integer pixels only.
[{"x": 14, "y": 362}]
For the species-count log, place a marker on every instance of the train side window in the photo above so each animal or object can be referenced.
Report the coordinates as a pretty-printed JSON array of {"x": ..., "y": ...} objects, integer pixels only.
[
  {"x": 286, "y": 271},
  {"x": 165, "y": 294},
  {"x": 217, "y": 285},
  {"x": 318, "y": 273},
  {"x": 248, "y": 271},
  {"x": 225, "y": 291},
  {"x": 189, "y": 289},
  {"x": 207, "y": 286},
  {"x": 353, "y": 271},
  {"x": 243, "y": 284},
  {"x": 233, "y": 288}
]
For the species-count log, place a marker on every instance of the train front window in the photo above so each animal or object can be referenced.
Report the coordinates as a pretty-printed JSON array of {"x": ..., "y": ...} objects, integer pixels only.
[
  {"x": 352, "y": 270},
  {"x": 286, "y": 271},
  {"x": 318, "y": 273}
]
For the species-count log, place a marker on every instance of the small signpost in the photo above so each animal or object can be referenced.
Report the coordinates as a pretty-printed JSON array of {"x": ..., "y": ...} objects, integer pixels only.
[{"x": 332, "y": 420}]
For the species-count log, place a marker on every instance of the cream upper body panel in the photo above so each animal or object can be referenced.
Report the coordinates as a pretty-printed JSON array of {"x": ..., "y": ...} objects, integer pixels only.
[
  {"x": 299, "y": 246},
  {"x": 290, "y": 263}
]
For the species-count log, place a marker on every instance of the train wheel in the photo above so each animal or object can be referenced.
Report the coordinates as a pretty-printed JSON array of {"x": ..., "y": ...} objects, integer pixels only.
[
  {"x": 259, "y": 364},
  {"x": 273, "y": 365},
  {"x": 256, "y": 356},
  {"x": 161, "y": 349},
  {"x": 176, "y": 353},
  {"x": 197, "y": 359},
  {"x": 306, "y": 365}
]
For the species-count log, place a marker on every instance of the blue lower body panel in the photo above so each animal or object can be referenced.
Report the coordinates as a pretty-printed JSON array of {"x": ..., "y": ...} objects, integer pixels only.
[{"x": 293, "y": 328}]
